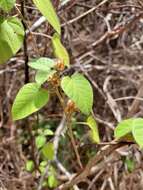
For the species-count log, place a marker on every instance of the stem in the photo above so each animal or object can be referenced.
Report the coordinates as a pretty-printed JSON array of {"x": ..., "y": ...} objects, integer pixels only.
[
  {"x": 60, "y": 98},
  {"x": 32, "y": 143},
  {"x": 73, "y": 140},
  {"x": 25, "y": 43},
  {"x": 68, "y": 121}
]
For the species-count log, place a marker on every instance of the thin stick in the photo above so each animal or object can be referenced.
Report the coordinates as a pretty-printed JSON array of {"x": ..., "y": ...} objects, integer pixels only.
[
  {"x": 105, "y": 151},
  {"x": 25, "y": 43},
  {"x": 73, "y": 141}
]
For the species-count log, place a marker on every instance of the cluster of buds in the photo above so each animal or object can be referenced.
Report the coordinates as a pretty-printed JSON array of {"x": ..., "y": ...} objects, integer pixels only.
[
  {"x": 70, "y": 107},
  {"x": 59, "y": 66},
  {"x": 54, "y": 80}
]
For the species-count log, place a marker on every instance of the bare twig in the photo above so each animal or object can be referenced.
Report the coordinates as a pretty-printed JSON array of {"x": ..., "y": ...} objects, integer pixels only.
[{"x": 105, "y": 151}]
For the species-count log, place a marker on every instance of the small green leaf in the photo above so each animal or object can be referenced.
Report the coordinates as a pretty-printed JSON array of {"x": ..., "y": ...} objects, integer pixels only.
[
  {"x": 40, "y": 141},
  {"x": 42, "y": 166},
  {"x": 94, "y": 129},
  {"x": 59, "y": 50},
  {"x": 29, "y": 99},
  {"x": 11, "y": 38},
  {"x": 52, "y": 181},
  {"x": 48, "y": 132},
  {"x": 79, "y": 90},
  {"x": 137, "y": 130},
  {"x": 7, "y": 5},
  {"x": 42, "y": 64},
  {"x": 29, "y": 166},
  {"x": 48, "y": 151},
  {"x": 47, "y": 9},
  {"x": 43, "y": 163},
  {"x": 130, "y": 164},
  {"x": 44, "y": 67},
  {"x": 123, "y": 128},
  {"x": 42, "y": 76}
]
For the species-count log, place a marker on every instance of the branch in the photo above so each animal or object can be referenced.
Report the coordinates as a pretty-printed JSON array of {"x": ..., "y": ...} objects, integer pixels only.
[{"x": 105, "y": 151}]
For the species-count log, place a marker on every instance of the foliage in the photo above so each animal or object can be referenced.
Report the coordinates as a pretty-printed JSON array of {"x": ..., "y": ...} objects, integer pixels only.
[
  {"x": 7, "y": 5},
  {"x": 78, "y": 89},
  {"x": 29, "y": 165},
  {"x": 134, "y": 126},
  {"x": 47, "y": 9},
  {"x": 11, "y": 37},
  {"x": 29, "y": 99},
  {"x": 48, "y": 151},
  {"x": 94, "y": 129},
  {"x": 74, "y": 91},
  {"x": 59, "y": 50}
]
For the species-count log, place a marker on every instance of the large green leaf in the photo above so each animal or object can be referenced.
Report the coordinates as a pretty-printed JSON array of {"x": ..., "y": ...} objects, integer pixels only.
[
  {"x": 94, "y": 129},
  {"x": 123, "y": 128},
  {"x": 78, "y": 89},
  {"x": 47, "y": 9},
  {"x": 137, "y": 131},
  {"x": 59, "y": 50},
  {"x": 11, "y": 38},
  {"x": 29, "y": 99},
  {"x": 42, "y": 64},
  {"x": 6, "y": 5}
]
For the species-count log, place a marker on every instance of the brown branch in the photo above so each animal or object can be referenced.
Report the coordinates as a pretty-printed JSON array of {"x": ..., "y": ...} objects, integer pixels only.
[
  {"x": 136, "y": 103},
  {"x": 105, "y": 151},
  {"x": 118, "y": 30},
  {"x": 25, "y": 43},
  {"x": 73, "y": 141}
]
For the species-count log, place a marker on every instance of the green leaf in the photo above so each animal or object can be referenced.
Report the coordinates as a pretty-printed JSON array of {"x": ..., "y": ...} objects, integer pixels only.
[
  {"x": 123, "y": 128},
  {"x": 48, "y": 132},
  {"x": 79, "y": 90},
  {"x": 130, "y": 164},
  {"x": 94, "y": 129},
  {"x": 42, "y": 64},
  {"x": 48, "y": 151},
  {"x": 42, "y": 166},
  {"x": 134, "y": 125},
  {"x": 44, "y": 67},
  {"x": 29, "y": 99},
  {"x": 29, "y": 165},
  {"x": 11, "y": 38},
  {"x": 52, "y": 181},
  {"x": 47, "y": 9},
  {"x": 42, "y": 76},
  {"x": 137, "y": 130},
  {"x": 5, "y": 51},
  {"x": 11, "y": 31},
  {"x": 59, "y": 50},
  {"x": 40, "y": 141},
  {"x": 7, "y": 5}
]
